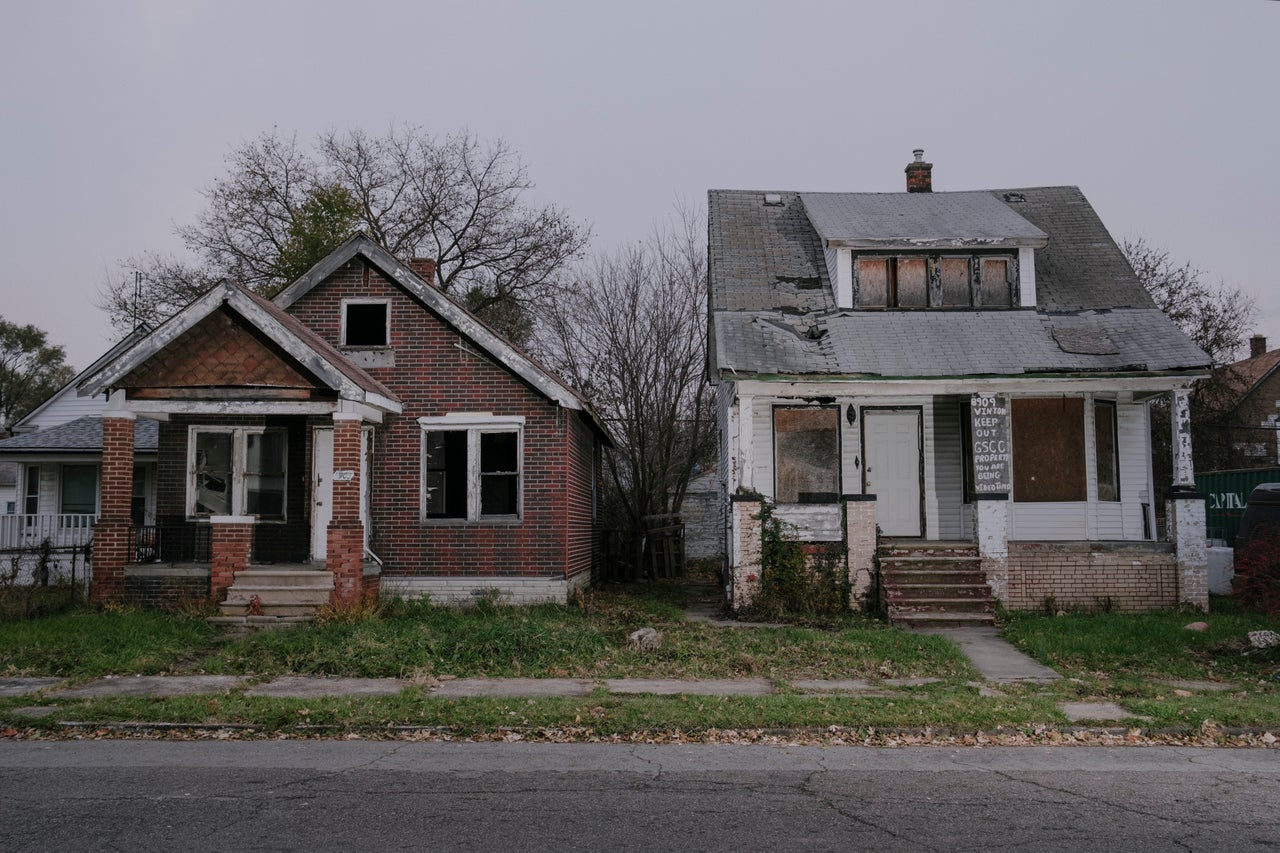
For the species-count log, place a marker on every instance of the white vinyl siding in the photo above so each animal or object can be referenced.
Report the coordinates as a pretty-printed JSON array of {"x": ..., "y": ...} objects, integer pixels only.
[{"x": 64, "y": 407}]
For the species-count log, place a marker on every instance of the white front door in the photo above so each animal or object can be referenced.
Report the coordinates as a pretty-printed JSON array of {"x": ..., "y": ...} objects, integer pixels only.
[
  {"x": 321, "y": 492},
  {"x": 891, "y": 446}
]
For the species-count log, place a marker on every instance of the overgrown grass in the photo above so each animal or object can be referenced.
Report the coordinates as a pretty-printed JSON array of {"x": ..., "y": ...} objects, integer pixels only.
[
  {"x": 1142, "y": 645},
  {"x": 86, "y": 643},
  {"x": 559, "y": 641},
  {"x": 597, "y": 715}
]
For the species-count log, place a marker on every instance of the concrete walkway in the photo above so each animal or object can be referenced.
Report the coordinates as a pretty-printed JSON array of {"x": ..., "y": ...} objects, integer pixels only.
[{"x": 995, "y": 657}]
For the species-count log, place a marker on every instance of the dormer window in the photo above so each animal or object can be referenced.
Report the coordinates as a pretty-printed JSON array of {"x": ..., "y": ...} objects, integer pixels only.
[
  {"x": 365, "y": 323},
  {"x": 934, "y": 281}
]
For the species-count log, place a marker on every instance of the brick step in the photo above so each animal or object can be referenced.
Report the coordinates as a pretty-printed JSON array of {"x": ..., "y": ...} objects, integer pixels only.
[
  {"x": 935, "y": 619},
  {"x": 945, "y": 605},
  {"x": 928, "y": 551},
  {"x": 930, "y": 560},
  {"x": 938, "y": 590},
  {"x": 941, "y": 577}
]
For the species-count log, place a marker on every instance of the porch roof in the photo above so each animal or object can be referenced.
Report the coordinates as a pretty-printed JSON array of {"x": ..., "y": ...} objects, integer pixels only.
[
  {"x": 951, "y": 343},
  {"x": 83, "y": 435},
  {"x": 308, "y": 349}
]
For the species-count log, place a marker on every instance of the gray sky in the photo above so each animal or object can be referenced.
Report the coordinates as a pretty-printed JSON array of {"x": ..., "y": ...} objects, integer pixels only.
[{"x": 1166, "y": 113}]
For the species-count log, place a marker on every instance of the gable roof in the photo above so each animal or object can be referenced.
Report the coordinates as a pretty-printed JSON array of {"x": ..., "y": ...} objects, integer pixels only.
[
  {"x": 301, "y": 343},
  {"x": 1246, "y": 375},
  {"x": 918, "y": 221},
  {"x": 120, "y": 346},
  {"x": 83, "y": 435},
  {"x": 501, "y": 350},
  {"x": 773, "y": 308}
]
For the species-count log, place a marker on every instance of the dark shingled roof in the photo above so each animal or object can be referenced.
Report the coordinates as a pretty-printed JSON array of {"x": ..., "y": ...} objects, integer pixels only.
[
  {"x": 765, "y": 256},
  {"x": 83, "y": 435},
  {"x": 773, "y": 305}
]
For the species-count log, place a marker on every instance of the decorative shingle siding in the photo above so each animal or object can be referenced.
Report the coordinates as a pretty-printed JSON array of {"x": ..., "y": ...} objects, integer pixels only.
[{"x": 217, "y": 352}]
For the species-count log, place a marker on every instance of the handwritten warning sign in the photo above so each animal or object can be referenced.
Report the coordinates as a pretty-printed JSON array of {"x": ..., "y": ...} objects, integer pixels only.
[{"x": 992, "y": 472}]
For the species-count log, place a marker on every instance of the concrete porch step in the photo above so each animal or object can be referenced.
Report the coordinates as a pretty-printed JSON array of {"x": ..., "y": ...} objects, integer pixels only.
[
  {"x": 311, "y": 578},
  {"x": 933, "y": 577},
  {"x": 945, "y": 605},
  {"x": 279, "y": 594},
  {"x": 230, "y": 608},
  {"x": 935, "y": 619},
  {"x": 243, "y": 624},
  {"x": 907, "y": 591}
]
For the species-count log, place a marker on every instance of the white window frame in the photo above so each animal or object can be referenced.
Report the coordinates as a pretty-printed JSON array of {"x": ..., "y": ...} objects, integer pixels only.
[
  {"x": 386, "y": 335},
  {"x": 239, "y": 479},
  {"x": 474, "y": 424}
]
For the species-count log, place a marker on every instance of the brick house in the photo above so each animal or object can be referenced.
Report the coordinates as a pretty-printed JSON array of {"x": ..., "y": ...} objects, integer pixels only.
[
  {"x": 361, "y": 432},
  {"x": 1243, "y": 410},
  {"x": 954, "y": 387}
]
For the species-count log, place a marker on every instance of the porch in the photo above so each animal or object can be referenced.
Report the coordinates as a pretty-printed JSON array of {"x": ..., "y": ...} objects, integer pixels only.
[{"x": 1009, "y": 477}]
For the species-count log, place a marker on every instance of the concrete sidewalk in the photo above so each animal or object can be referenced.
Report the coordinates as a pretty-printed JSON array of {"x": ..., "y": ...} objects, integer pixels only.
[{"x": 995, "y": 657}]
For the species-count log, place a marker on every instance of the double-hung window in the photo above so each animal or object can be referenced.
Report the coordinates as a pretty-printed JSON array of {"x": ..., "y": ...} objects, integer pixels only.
[
  {"x": 472, "y": 466},
  {"x": 237, "y": 471}
]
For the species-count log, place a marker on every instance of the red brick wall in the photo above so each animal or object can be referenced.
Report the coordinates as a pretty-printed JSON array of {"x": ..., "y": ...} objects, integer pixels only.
[
  {"x": 111, "y": 533},
  {"x": 1091, "y": 576},
  {"x": 437, "y": 372}
]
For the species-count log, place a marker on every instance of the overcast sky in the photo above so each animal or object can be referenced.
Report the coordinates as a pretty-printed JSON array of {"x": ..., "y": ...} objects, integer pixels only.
[{"x": 1166, "y": 113}]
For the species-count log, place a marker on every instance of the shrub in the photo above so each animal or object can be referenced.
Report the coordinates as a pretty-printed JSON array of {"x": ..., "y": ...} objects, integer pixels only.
[{"x": 798, "y": 578}]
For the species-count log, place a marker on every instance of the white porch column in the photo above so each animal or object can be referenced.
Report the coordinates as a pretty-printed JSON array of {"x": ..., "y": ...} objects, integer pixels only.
[
  {"x": 1184, "y": 475},
  {"x": 1185, "y": 510},
  {"x": 746, "y": 443}
]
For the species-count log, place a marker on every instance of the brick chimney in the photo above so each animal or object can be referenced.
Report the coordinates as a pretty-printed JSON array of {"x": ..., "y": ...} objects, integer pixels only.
[
  {"x": 919, "y": 174},
  {"x": 1257, "y": 346},
  {"x": 424, "y": 268}
]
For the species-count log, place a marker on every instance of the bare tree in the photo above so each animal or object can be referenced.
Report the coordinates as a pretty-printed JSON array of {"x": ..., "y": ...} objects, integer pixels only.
[
  {"x": 1218, "y": 318},
  {"x": 282, "y": 206},
  {"x": 631, "y": 334}
]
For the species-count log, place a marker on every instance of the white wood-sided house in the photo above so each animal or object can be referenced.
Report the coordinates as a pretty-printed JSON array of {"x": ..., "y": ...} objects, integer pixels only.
[{"x": 956, "y": 385}]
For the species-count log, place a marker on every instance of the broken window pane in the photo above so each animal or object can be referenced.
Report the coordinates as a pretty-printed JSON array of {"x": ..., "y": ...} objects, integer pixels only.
[
  {"x": 955, "y": 282},
  {"x": 366, "y": 324},
  {"x": 996, "y": 292},
  {"x": 807, "y": 453},
  {"x": 499, "y": 473},
  {"x": 1104, "y": 432},
  {"x": 913, "y": 283},
  {"x": 873, "y": 282},
  {"x": 1048, "y": 449},
  {"x": 213, "y": 473},
  {"x": 446, "y": 474}
]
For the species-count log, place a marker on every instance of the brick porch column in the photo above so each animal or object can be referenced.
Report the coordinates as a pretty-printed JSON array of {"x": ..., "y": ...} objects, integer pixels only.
[
  {"x": 231, "y": 549},
  {"x": 860, "y": 540},
  {"x": 747, "y": 542},
  {"x": 346, "y": 530},
  {"x": 111, "y": 533}
]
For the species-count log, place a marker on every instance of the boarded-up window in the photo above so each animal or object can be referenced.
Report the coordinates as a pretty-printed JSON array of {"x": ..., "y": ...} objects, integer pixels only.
[
  {"x": 955, "y": 282},
  {"x": 807, "y": 454},
  {"x": 996, "y": 290},
  {"x": 1048, "y": 449},
  {"x": 873, "y": 282},
  {"x": 1104, "y": 433},
  {"x": 913, "y": 284}
]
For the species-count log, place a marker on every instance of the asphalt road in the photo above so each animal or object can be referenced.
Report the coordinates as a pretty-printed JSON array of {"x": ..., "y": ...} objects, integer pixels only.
[{"x": 325, "y": 795}]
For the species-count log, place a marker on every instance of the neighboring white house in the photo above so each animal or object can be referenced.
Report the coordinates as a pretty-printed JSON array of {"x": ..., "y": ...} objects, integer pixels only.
[
  {"x": 56, "y": 453},
  {"x": 928, "y": 370}
]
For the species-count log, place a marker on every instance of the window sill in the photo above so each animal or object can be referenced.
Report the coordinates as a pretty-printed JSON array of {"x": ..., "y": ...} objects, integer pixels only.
[
  {"x": 493, "y": 521},
  {"x": 383, "y": 356}
]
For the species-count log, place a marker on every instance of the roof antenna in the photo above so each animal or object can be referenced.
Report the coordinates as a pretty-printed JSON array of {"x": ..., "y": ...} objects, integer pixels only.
[{"x": 137, "y": 296}]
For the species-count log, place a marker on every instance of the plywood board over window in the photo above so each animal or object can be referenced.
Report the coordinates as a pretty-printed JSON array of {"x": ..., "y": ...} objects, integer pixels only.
[
  {"x": 1048, "y": 449},
  {"x": 873, "y": 282},
  {"x": 807, "y": 450},
  {"x": 955, "y": 282}
]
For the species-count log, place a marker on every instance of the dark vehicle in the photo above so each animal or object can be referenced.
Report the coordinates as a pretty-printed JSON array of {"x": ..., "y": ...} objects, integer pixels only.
[{"x": 1261, "y": 514}]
